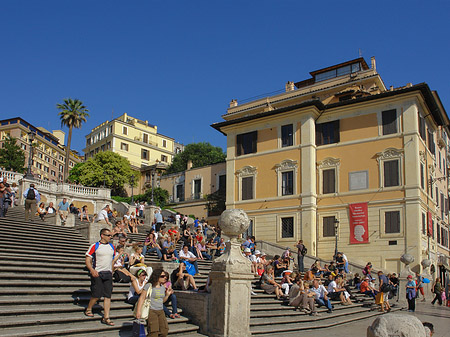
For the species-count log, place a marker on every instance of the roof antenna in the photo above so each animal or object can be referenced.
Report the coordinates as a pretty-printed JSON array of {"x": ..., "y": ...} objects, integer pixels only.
[
  {"x": 360, "y": 52},
  {"x": 112, "y": 114}
]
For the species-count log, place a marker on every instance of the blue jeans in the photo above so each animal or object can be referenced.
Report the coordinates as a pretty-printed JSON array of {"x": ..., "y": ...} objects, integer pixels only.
[
  {"x": 145, "y": 250},
  {"x": 206, "y": 255},
  {"x": 173, "y": 300},
  {"x": 321, "y": 302},
  {"x": 346, "y": 267},
  {"x": 3, "y": 207}
]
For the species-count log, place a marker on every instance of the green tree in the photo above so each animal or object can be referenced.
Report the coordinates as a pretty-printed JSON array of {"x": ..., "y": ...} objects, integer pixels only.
[
  {"x": 12, "y": 157},
  {"x": 201, "y": 154},
  {"x": 73, "y": 113},
  {"x": 160, "y": 197},
  {"x": 105, "y": 167}
]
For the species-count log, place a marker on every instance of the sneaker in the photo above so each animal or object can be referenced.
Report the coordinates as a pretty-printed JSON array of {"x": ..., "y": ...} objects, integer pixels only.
[
  {"x": 253, "y": 293},
  {"x": 329, "y": 311},
  {"x": 423, "y": 300},
  {"x": 314, "y": 314}
]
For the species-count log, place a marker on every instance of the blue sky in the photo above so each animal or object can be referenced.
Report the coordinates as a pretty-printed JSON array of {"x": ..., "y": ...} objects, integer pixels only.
[{"x": 179, "y": 63}]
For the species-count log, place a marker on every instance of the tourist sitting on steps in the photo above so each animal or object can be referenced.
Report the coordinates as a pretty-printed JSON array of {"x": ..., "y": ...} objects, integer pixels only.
[
  {"x": 301, "y": 297},
  {"x": 120, "y": 273},
  {"x": 84, "y": 214},
  {"x": 366, "y": 289},
  {"x": 172, "y": 299},
  {"x": 279, "y": 265},
  {"x": 137, "y": 286},
  {"x": 269, "y": 285},
  {"x": 151, "y": 245},
  {"x": 102, "y": 216},
  {"x": 321, "y": 295},
  {"x": 337, "y": 293},
  {"x": 187, "y": 256},
  {"x": 63, "y": 209},
  {"x": 41, "y": 212},
  {"x": 137, "y": 261},
  {"x": 181, "y": 278}
]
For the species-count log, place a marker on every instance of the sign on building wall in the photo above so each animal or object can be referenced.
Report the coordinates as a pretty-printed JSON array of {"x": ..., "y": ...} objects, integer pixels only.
[
  {"x": 430, "y": 224},
  {"x": 359, "y": 227}
]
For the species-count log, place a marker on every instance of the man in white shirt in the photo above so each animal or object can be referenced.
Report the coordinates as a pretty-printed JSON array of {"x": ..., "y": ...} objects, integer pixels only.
[
  {"x": 186, "y": 255},
  {"x": 321, "y": 295},
  {"x": 102, "y": 216}
]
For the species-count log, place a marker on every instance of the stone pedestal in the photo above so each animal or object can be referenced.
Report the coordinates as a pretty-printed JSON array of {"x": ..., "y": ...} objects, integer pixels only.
[
  {"x": 94, "y": 231},
  {"x": 149, "y": 213},
  {"x": 231, "y": 282},
  {"x": 407, "y": 259},
  {"x": 427, "y": 274}
]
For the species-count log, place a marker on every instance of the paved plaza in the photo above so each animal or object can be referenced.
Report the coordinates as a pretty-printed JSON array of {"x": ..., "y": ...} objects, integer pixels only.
[{"x": 438, "y": 315}]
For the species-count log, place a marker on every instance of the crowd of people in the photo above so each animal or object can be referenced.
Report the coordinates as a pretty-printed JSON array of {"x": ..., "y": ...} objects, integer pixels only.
[{"x": 198, "y": 241}]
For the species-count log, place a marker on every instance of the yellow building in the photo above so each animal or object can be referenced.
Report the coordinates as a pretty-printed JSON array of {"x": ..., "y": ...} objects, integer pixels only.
[
  {"x": 132, "y": 138},
  {"x": 49, "y": 151},
  {"x": 340, "y": 153},
  {"x": 187, "y": 189}
]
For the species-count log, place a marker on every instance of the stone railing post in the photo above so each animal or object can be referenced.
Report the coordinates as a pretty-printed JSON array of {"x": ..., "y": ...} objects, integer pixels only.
[
  {"x": 427, "y": 274},
  {"x": 407, "y": 259},
  {"x": 231, "y": 279}
]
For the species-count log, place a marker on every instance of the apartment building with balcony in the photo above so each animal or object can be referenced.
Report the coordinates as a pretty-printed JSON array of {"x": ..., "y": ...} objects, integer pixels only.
[
  {"x": 134, "y": 139},
  {"x": 48, "y": 148},
  {"x": 341, "y": 156}
]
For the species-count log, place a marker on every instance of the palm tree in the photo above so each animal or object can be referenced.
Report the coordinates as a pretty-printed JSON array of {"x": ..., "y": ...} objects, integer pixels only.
[{"x": 73, "y": 113}]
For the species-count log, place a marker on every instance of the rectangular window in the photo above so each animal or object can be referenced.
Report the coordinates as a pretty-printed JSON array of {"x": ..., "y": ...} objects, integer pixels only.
[
  {"x": 392, "y": 222},
  {"x": 328, "y": 226},
  {"x": 164, "y": 158},
  {"x": 180, "y": 192},
  {"x": 422, "y": 129},
  {"x": 287, "y": 183},
  {"x": 389, "y": 119},
  {"x": 437, "y": 197},
  {"x": 422, "y": 176},
  {"x": 424, "y": 224},
  {"x": 287, "y": 227},
  {"x": 327, "y": 133},
  {"x": 246, "y": 143},
  {"x": 438, "y": 233},
  {"x": 247, "y": 188},
  {"x": 287, "y": 135},
  {"x": 124, "y": 146},
  {"x": 164, "y": 143},
  {"x": 431, "y": 145},
  {"x": 440, "y": 161},
  {"x": 145, "y": 138},
  {"x": 124, "y": 130},
  {"x": 442, "y": 206},
  {"x": 391, "y": 173},
  {"x": 222, "y": 184},
  {"x": 23, "y": 146},
  {"x": 144, "y": 154},
  {"x": 53, "y": 173},
  {"x": 329, "y": 181},
  {"x": 197, "y": 188},
  {"x": 61, "y": 168}
]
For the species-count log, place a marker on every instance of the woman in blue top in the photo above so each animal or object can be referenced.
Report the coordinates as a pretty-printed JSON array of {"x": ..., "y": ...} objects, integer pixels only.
[{"x": 411, "y": 294}]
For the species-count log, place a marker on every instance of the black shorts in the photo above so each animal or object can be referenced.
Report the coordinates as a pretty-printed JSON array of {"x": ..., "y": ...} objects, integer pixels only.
[{"x": 102, "y": 286}]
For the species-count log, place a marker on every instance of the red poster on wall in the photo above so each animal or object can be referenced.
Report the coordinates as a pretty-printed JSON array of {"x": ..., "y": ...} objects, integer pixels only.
[
  {"x": 359, "y": 227},
  {"x": 430, "y": 224}
]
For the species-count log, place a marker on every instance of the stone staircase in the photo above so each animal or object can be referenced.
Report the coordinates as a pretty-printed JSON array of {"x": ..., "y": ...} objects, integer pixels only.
[{"x": 44, "y": 289}]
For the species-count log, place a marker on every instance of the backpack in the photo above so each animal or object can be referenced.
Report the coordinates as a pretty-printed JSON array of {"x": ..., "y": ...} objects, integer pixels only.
[
  {"x": 304, "y": 251},
  {"x": 31, "y": 195}
]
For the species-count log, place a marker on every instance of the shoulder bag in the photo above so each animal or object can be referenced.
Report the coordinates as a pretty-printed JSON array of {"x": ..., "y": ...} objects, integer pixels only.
[{"x": 145, "y": 306}]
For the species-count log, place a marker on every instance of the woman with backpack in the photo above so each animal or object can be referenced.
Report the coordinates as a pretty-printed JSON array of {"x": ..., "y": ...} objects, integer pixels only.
[{"x": 437, "y": 291}]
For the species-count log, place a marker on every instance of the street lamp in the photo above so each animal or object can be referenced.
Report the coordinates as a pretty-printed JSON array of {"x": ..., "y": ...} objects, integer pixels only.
[
  {"x": 153, "y": 183},
  {"x": 31, "y": 136},
  {"x": 336, "y": 226},
  {"x": 132, "y": 183}
]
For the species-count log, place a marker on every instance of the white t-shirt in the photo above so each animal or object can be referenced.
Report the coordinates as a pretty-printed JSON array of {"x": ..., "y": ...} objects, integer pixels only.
[
  {"x": 188, "y": 255},
  {"x": 141, "y": 207},
  {"x": 320, "y": 292},
  {"x": 331, "y": 286},
  {"x": 103, "y": 256},
  {"x": 103, "y": 215}
]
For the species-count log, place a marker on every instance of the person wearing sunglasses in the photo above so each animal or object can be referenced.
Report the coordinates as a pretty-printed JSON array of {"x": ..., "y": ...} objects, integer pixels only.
[
  {"x": 157, "y": 325},
  {"x": 99, "y": 262}
]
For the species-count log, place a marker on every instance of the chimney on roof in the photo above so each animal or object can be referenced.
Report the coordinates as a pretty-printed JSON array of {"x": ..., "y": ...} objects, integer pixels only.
[
  {"x": 391, "y": 88},
  {"x": 233, "y": 103},
  {"x": 409, "y": 85},
  {"x": 290, "y": 86},
  {"x": 374, "y": 63}
]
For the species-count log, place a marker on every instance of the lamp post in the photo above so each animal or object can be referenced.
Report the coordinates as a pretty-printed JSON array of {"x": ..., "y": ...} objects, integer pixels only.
[
  {"x": 132, "y": 183},
  {"x": 31, "y": 136},
  {"x": 336, "y": 226},
  {"x": 153, "y": 183}
]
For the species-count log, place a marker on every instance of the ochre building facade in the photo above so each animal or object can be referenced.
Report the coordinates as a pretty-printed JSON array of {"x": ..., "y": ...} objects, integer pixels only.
[{"x": 336, "y": 149}]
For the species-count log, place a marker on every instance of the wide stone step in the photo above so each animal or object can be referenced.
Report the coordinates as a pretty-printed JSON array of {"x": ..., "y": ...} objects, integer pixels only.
[
  {"x": 47, "y": 259},
  {"x": 43, "y": 247},
  {"x": 292, "y": 329},
  {"x": 89, "y": 327},
  {"x": 47, "y": 240},
  {"x": 27, "y": 299},
  {"x": 38, "y": 228},
  {"x": 46, "y": 251}
]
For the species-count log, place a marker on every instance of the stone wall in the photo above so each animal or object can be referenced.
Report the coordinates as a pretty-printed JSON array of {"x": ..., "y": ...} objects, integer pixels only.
[{"x": 196, "y": 306}]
